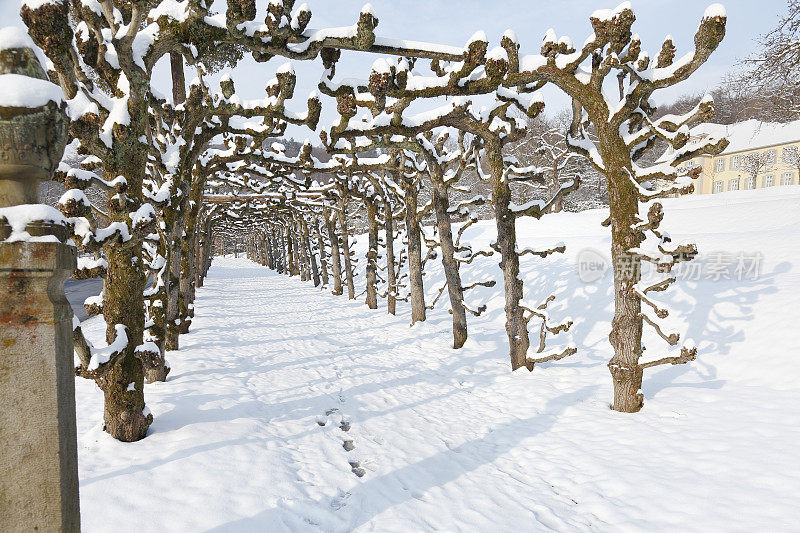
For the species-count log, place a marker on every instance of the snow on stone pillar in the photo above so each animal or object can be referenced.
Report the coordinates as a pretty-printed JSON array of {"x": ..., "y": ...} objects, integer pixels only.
[{"x": 39, "y": 485}]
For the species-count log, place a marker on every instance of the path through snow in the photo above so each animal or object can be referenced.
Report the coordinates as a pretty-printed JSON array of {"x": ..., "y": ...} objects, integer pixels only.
[{"x": 291, "y": 409}]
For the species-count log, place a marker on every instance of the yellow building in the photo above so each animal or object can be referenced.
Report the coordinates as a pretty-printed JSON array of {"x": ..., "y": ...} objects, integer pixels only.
[{"x": 759, "y": 155}]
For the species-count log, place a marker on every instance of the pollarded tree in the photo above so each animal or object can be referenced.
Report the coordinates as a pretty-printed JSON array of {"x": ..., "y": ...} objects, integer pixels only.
[
  {"x": 613, "y": 132},
  {"x": 107, "y": 86}
]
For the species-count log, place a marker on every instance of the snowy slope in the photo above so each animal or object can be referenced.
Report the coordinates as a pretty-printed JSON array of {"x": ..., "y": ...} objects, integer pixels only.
[{"x": 452, "y": 440}]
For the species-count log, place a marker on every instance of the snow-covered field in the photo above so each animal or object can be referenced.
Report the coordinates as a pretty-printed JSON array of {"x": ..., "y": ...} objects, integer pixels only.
[{"x": 277, "y": 378}]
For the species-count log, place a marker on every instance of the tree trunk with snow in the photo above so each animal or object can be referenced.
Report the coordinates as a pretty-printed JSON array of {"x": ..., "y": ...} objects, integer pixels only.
[
  {"x": 348, "y": 268},
  {"x": 323, "y": 259},
  {"x": 505, "y": 221},
  {"x": 336, "y": 258},
  {"x": 555, "y": 184},
  {"x": 268, "y": 249},
  {"x": 291, "y": 253},
  {"x": 441, "y": 205},
  {"x": 123, "y": 411},
  {"x": 372, "y": 254},
  {"x": 391, "y": 281},
  {"x": 312, "y": 257},
  {"x": 414, "y": 249},
  {"x": 172, "y": 329},
  {"x": 186, "y": 289}
]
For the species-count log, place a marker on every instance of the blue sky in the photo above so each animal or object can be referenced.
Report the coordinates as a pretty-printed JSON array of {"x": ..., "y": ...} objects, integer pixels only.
[{"x": 453, "y": 22}]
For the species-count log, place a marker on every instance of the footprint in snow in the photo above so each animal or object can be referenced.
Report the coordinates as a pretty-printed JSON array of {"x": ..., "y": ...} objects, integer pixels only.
[
  {"x": 348, "y": 443},
  {"x": 355, "y": 467},
  {"x": 340, "y": 501}
]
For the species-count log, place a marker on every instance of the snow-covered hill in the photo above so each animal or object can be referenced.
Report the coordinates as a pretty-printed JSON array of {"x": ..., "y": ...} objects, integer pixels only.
[{"x": 282, "y": 395}]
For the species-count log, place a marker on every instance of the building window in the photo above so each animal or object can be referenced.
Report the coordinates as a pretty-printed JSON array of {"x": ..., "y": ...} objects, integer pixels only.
[
  {"x": 787, "y": 178},
  {"x": 735, "y": 162},
  {"x": 750, "y": 183},
  {"x": 720, "y": 164},
  {"x": 772, "y": 156},
  {"x": 769, "y": 181},
  {"x": 718, "y": 186},
  {"x": 733, "y": 185}
]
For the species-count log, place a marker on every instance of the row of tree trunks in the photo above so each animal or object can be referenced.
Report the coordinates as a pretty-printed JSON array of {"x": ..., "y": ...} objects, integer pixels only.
[
  {"x": 314, "y": 262},
  {"x": 320, "y": 250}
]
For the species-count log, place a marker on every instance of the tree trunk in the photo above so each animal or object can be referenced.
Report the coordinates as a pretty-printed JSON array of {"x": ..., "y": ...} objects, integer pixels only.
[
  {"x": 123, "y": 303},
  {"x": 336, "y": 258},
  {"x": 555, "y": 186},
  {"x": 414, "y": 248},
  {"x": 186, "y": 289},
  {"x": 312, "y": 258},
  {"x": 282, "y": 250},
  {"x": 372, "y": 255},
  {"x": 348, "y": 269},
  {"x": 323, "y": 260},
  {"x": 391, "y": 281},
  {"x": 516, "y": 327},
  {"x": 269, "y": 250},
  {"x": 441, "y": 204},
  {"x": 626, "y": 326},
  {"x": 201, "y": 244},
  {"x": 299, "y": 246},
  {"x": 178, "y": 80},
  {"x": 278, "y": 248},
  {"x": 209, "y": 251},
  {"x": 172, "y": 329},
  {"x": 290, "y": 251},
  {"x": 299, "y": 255}
]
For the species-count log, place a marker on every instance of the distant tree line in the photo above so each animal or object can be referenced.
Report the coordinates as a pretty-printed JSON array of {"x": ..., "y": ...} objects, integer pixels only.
[{"x": 765, "y": 86}]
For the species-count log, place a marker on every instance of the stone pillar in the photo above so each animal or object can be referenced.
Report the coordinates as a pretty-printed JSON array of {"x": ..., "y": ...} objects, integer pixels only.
[{"x": 39, "y": 481}]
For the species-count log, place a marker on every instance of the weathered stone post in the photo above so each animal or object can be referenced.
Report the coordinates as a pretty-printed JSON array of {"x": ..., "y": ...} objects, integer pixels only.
[{"x": 39, "y": 483}]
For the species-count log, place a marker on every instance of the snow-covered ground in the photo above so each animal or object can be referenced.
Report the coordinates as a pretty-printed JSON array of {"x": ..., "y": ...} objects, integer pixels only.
[{"x": 277, "y": 378}]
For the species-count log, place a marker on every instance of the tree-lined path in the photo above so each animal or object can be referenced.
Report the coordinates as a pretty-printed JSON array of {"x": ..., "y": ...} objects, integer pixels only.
[
  {"x": 416, "y": 435},
  {"x": 409, "y": 384}
]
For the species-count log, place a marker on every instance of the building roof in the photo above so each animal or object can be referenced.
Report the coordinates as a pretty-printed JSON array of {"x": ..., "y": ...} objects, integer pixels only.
[{"x": 750, "y": 134}]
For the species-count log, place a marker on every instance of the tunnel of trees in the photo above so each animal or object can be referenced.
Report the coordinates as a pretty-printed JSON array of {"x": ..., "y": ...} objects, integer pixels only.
[{"x": 428, "y": 141}]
